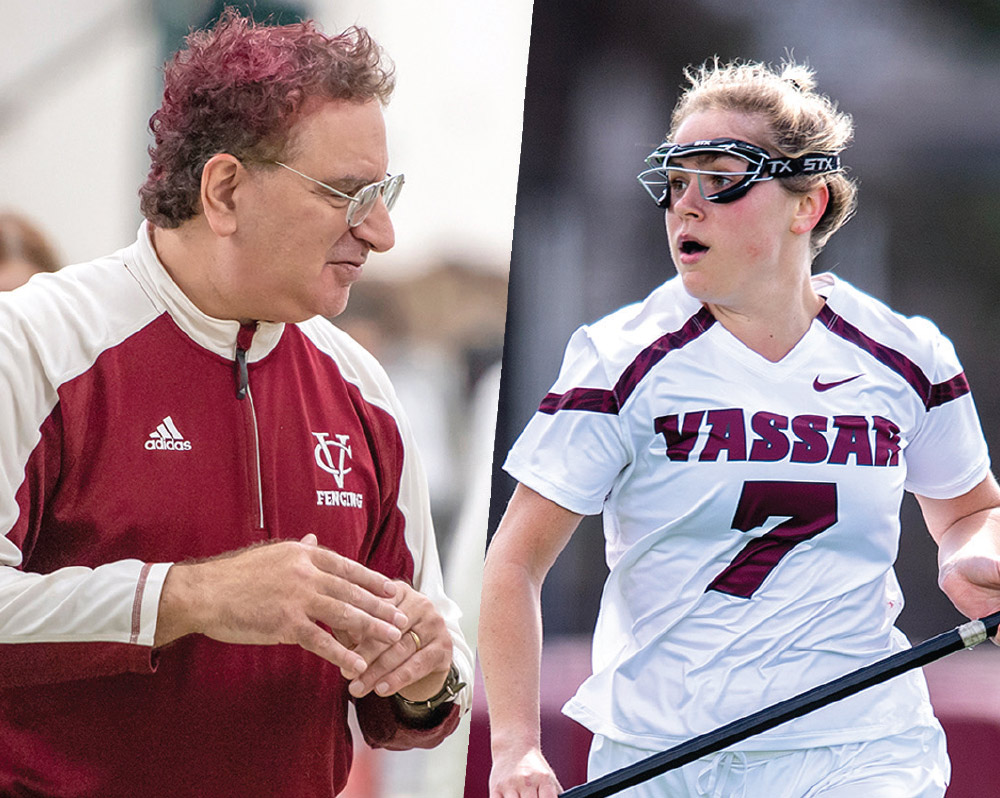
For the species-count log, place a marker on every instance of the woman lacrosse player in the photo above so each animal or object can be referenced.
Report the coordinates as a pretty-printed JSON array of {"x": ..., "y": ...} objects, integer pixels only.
[{"x": 747, "y": 431}]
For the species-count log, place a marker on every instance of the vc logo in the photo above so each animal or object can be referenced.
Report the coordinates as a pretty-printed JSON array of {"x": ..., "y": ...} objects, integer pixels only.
[{"x": 330, "y": 461}]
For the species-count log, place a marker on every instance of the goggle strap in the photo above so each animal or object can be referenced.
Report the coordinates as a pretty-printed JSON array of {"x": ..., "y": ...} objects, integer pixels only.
[{"x": 812, "y": 163}]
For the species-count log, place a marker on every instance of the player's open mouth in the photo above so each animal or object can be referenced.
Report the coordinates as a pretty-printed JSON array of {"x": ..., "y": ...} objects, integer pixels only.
[{"x": 691, "y": 247}]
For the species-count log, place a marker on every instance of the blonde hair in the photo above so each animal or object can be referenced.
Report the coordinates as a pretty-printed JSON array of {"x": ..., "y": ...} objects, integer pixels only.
[{"x": 799, "y": 119}]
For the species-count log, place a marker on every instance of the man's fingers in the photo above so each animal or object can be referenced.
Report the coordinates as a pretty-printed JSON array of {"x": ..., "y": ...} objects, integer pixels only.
[
  {"x": 354, "y": 599},
  {"x": 372, "y": 650},
  {"x": 361, "y": 587},
  {"x": 351, "y": 581},
  {"x": 402, "y": 667},
  {"x": 357, "y": 623},
  {"x": 319, "y": 642},
  {"x": 423, "y": 653},
  {"x": 354, "y": 572},
  {"x": 300, "y": 593},
  {"x": 386, "y": 662}
]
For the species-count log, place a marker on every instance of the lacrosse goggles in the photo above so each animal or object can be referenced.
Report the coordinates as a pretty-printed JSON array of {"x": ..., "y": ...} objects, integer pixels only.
[{"x": 737, "y": 166}]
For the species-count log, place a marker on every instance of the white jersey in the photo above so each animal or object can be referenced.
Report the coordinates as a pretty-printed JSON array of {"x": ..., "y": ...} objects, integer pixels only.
[{"x": 751, "y": 509}]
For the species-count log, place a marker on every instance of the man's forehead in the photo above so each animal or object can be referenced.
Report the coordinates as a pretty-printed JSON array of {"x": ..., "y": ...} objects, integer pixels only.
[
  {"x": 350, "y": 119},
  {"x": 341, "y": 138}
]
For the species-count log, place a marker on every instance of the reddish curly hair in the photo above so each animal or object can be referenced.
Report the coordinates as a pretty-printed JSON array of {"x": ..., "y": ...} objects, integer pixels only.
[{"x": 237, "y": 88}]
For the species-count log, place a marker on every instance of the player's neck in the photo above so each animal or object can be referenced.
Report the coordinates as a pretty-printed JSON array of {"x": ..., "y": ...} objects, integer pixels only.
[{"x": 772, "y": 323}]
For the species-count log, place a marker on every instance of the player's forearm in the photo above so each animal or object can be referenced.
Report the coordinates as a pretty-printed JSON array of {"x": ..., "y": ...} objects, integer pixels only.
[
  {"x": 510, "y": 646},
  {"x": 532, "y": 533},
  {"x": 971, "y": 535},
  {"x": 969, "y": 563}
]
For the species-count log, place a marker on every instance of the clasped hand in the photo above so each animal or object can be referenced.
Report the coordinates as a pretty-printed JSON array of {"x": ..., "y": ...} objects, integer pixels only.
[{"x": 300, "y": 593}]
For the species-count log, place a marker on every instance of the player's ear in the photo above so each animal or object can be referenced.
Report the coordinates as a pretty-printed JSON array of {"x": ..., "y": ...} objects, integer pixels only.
[
  {"x": 810, "y": 209},
  {"x": 219, "y": 179}
]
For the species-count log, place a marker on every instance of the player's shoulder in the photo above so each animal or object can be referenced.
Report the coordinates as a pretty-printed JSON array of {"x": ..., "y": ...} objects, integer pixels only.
[
  {"x": 871, "y": 323},
  {"x": 622, "y": 334}
]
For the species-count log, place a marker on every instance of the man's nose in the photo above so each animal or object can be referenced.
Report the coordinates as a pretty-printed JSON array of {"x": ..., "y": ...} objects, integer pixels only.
[{"x": 377, "y": 230}]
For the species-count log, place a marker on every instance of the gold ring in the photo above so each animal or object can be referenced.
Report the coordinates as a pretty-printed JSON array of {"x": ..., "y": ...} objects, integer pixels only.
[{"x": 416, "y": 638}]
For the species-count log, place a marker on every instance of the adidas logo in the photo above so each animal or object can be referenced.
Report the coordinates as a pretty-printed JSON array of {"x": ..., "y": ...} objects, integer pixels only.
[{"x": 167, "y": 436}]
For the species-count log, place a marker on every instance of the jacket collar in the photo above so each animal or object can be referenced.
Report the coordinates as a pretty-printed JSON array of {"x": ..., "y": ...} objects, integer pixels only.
[{"x": 216, "y": 335}]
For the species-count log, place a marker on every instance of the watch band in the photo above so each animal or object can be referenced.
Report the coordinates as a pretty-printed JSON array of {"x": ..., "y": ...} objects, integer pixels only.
[{"x": 448, "y": 692}]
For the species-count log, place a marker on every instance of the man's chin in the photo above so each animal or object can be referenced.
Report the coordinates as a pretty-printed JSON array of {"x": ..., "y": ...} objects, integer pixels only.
[{"x": 336, "y": 304}]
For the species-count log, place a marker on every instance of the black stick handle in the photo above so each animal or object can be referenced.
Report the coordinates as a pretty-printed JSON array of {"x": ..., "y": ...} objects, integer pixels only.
[{"x": 965, "y": 636}]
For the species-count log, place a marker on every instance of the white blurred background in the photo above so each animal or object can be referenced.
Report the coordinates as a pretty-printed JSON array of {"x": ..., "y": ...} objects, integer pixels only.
[{"x": 78, "y": 82}]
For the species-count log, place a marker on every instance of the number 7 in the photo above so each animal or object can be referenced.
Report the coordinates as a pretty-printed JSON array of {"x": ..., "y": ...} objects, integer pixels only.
[{"x": 812, "y": 507}]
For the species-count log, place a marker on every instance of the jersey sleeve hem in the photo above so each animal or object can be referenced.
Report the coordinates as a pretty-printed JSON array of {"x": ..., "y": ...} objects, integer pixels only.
[
  {"x": 954, "y": 489},
  {"x": 552, "y": 491}
]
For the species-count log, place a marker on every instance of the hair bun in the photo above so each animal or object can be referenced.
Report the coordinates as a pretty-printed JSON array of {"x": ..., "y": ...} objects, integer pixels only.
[{"x": 799, "y": 75}]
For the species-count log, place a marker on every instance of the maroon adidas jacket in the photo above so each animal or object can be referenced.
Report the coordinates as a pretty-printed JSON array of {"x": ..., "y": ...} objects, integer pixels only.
[{"x": 135, "y": 432}]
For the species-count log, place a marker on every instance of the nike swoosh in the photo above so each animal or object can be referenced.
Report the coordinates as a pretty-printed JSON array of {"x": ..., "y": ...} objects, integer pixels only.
[{"x": 826, "y": 386}]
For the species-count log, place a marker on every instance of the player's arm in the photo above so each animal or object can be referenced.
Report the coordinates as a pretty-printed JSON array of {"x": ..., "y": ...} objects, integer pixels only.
[
  {"x": 532, "y": 533},
  {"x": 967, "y": 531}
]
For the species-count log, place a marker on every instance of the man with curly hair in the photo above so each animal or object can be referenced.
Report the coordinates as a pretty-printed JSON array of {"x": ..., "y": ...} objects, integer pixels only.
[{"x": 216, "y": 531}]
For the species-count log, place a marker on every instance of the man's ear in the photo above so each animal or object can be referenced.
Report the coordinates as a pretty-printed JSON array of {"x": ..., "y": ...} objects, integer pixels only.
[
  {"x": 810, "y": 209},
  {"x": 219, "y": 179}
]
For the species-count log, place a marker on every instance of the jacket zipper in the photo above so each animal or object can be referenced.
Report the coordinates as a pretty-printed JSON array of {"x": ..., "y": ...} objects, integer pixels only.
[{"x": 242, "y": 373}]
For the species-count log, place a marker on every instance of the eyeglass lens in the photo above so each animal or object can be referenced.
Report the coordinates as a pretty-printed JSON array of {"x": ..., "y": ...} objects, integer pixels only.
[{"x": 366, "y": 198}]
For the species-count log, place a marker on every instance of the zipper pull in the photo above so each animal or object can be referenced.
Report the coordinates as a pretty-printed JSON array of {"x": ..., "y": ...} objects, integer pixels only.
[{"x": 243, "y": 340}]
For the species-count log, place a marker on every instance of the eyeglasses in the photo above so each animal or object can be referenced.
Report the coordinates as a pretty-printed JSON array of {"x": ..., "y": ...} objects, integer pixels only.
[{"x": 365, "y": 198}]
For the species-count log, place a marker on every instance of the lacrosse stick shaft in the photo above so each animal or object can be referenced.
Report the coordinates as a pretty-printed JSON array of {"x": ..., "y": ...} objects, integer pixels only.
[{"x": 965, "y": 636}]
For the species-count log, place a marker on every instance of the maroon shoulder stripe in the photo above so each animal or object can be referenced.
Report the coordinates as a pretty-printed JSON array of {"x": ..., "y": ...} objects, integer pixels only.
[
  {"x": 932, "y": 394},
  {"x": 942, "y": 392},
  {"x": 603, "y": 400}
]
